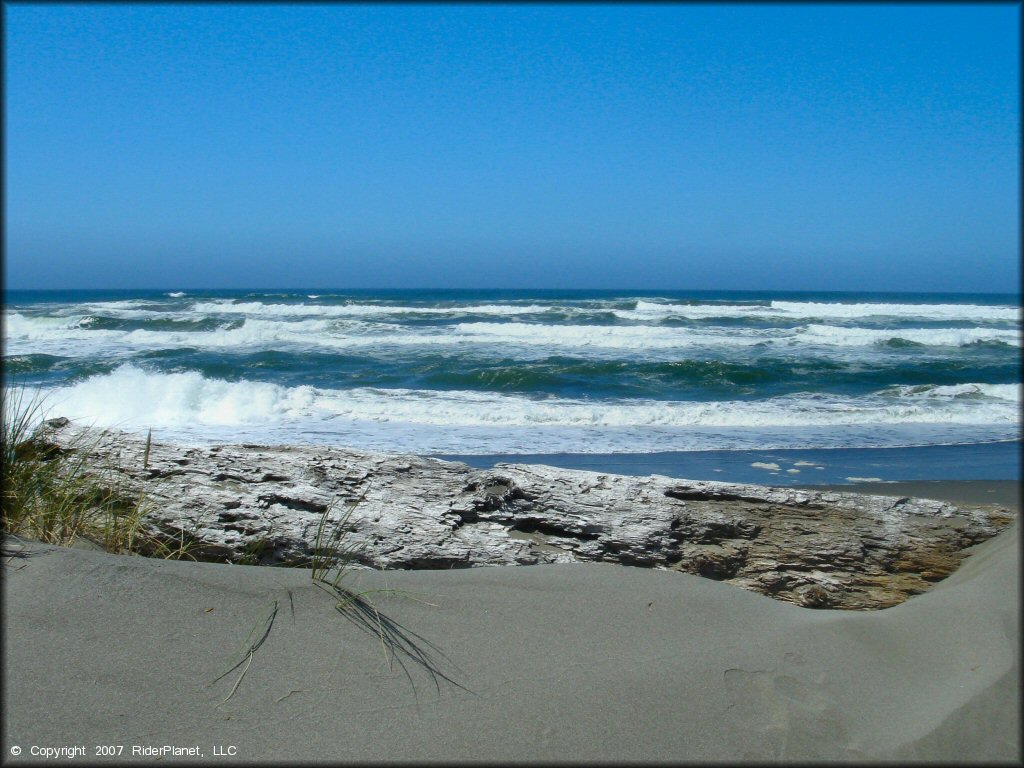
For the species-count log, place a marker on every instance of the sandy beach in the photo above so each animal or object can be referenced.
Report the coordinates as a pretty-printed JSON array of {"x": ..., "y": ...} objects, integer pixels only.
[{"x": 549, "y": 663}]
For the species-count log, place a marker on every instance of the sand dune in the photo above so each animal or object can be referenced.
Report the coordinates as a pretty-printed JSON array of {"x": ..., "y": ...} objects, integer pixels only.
[{"x": 578, "y": 662}]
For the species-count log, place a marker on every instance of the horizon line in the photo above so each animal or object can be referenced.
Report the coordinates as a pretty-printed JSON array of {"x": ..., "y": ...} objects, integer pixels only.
[{"x": 306, "y": 289}]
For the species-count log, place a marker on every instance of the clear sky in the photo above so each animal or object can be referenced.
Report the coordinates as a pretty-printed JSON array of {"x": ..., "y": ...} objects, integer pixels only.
[{"x": 831, "y": 147}]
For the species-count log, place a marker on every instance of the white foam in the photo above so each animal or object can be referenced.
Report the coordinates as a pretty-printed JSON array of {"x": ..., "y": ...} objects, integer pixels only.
[
  {"x": 21, "y": 328},
  {"x": 657, "y": 337},
  {"x": 832, "y": 335},
  {"x": 654, "y": 311},
  {"x": 259, "y": 333},
  {"x": 1008, "y": 392},
  {"x": 132, "y": 395},
  {"x": 649, "y": 310},
  {"x": 176, "y": 294},
  {"x": 18, "y": 326},
  {"x": 975, "y": 312},
  {"x": 607, "y": 336},
  {"x": 262, "y": 309},
  {"x": 71, "y": 335},
  {"x": 101, "y": 306}
]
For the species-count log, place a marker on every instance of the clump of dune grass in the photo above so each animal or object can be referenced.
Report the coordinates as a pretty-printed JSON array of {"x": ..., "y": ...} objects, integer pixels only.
[
  {"x": 331, "y": 561},
  {"x": 333, "y": 557},
  {"x": 332, "y": 554},
  {"x": 61, "y": 493}
]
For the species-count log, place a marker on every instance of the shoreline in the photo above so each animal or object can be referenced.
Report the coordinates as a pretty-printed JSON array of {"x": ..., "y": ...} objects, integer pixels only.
[
  {"x": 791, "y": 467},
  {"x": 1004, "y": 492},
  {"x": 268, "y": 505}
]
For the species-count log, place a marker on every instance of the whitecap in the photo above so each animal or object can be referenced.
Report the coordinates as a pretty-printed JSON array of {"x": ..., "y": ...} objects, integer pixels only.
[
  {"x": 130, "y": 394},
  {"x": 651, "y": 310}
]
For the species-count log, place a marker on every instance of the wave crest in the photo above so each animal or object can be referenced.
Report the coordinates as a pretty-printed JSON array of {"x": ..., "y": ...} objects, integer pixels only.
[{"x": 132, "y": 396}]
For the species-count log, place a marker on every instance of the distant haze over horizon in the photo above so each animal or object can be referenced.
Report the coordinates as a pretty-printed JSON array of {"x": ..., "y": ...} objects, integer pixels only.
[{"x": 863, "y": 148}]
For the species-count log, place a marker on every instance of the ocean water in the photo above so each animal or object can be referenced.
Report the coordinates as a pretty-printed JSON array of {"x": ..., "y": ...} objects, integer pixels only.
[{"x": 528, "y": 372}]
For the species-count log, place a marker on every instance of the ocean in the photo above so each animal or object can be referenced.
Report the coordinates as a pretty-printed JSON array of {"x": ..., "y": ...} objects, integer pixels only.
[{"x": 718, "y": 384}]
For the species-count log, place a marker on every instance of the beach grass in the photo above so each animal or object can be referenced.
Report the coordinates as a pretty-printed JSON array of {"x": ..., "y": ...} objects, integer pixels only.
[
  {"x": 332, "y": 559},
  {"x": 331, "y": 562},
  {"x": 61, "y": 494}
]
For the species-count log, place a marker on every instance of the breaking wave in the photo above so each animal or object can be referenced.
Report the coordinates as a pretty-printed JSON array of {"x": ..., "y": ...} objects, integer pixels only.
[
  {"x": 131, "y": 396},
  {"x": 527, "y": 371}
]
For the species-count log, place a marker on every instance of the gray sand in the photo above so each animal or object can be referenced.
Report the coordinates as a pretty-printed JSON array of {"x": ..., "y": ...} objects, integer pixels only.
[{"x": 582, "y": 662}]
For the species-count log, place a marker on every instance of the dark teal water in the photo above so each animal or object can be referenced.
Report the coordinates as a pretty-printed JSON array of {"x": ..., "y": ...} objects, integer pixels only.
[{"x": 528, "y": 372}]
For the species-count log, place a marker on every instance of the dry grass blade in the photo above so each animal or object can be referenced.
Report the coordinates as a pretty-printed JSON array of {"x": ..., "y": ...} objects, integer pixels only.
[
  {"x": 257, "y": 636},
  {"x": 57, "y": 489}
]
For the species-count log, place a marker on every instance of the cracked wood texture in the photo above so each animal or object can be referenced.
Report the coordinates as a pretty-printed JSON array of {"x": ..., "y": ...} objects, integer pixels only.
[{"x": 815, "y": 549}]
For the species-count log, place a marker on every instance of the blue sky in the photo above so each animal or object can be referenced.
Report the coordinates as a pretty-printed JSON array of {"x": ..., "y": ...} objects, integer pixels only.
[{"x": 832, "y": 147}]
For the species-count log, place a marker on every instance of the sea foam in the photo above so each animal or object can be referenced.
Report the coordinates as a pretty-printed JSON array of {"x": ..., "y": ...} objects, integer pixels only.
[
  {"x": 652, "y": 310},
  {"x": 263, "y": 309},
  {"x": 570, "y": 373},
  {"x": 132, "y": 396},
  {"x": 73, "y": 335}
]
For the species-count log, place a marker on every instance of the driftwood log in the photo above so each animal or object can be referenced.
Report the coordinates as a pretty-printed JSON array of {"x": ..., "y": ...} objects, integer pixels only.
[{"x": 248, "y": 503}]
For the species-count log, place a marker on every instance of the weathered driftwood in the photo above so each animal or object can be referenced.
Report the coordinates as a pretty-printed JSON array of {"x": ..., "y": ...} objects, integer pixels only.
[{"x": 817, "y": 549}]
